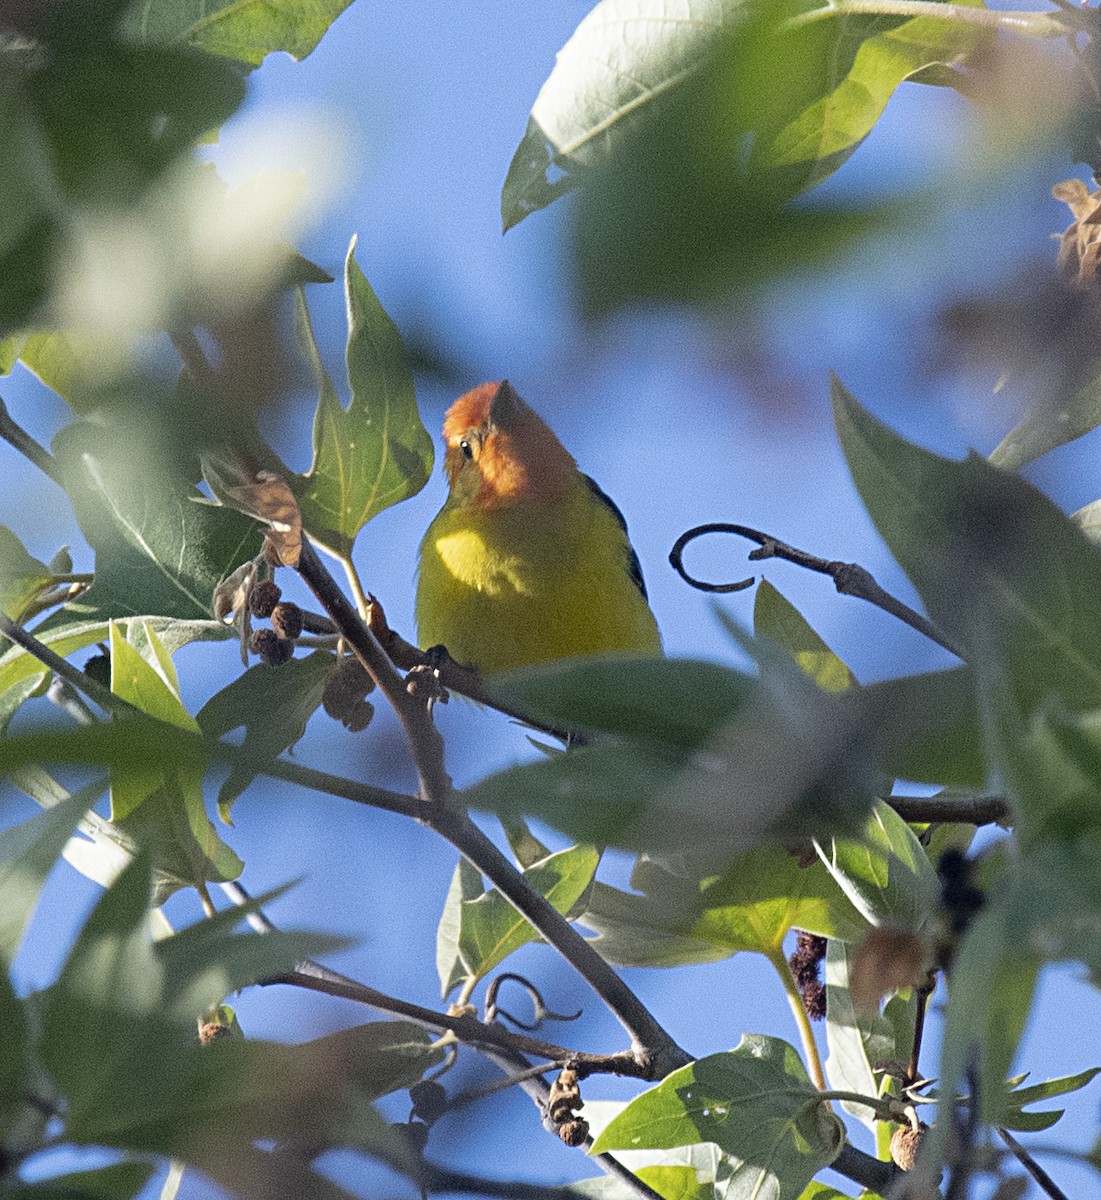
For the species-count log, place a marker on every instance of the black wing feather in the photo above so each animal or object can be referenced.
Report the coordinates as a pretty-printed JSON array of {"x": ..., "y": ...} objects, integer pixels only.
[{"x": 634, "y": 567}]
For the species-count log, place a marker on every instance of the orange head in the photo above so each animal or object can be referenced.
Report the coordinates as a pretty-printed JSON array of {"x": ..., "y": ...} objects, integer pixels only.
[{"x": 500, "y": 451}]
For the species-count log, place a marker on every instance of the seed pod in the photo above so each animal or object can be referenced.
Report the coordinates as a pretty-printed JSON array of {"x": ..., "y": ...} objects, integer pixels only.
[
  {"x": 273, "y": 649},
  {"x": 415, "y": 1134},
  {"x": 359, "y": 717},
  {"x": 574, "y": 1132},
  {"x": 286, "y": 620},
  {"x": 905, "y": 1143},
  {"x": 264, "y": 597},
  {"x": 429, "y": 1100},
  {"x": 212, "y": 1030}
]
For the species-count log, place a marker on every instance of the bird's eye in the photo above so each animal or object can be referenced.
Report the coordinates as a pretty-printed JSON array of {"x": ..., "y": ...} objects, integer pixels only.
[{"x": 466, "y": 448}]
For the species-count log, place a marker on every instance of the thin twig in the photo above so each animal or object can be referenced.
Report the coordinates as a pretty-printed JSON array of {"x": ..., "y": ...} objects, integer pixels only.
[
  {"x": 850, "y": 579},
  {"x": 425, "y": 742},
  {"x": 1037, "y": 1172},
  {"x": 15, "y": 435}
]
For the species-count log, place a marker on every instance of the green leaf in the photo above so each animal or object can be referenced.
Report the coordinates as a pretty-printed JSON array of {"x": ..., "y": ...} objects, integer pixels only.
[
  {"x": 209, "y": 960},
  {"x": 466, "y": 885},
  {"x": 28, "y": 852},
  {"x": 885, "y": 872},
  {"x": 926, "y": 727},
  {"x": 1034, "y": 1122},
  {"x": 859, "y": 1040},
  {"x": 245, "y": 31},
  {"x": 120, "y": 1181},
  {"x": 273, "y": 704},
  {"x": 756, "y": 1103},
  {"x": 21, "y": 674},
  {"x": 1048, "y": 425},
  {"x": 491, "y": 929},
  {"x": 672, "y": 919},
  {"x": 702, "y": 757},
  {"x": 61, "y": 361},
  {"x": 864, "y": 59},
  {"x": 21, "y": 576},
  {"x": 157, "y": 551},
  {"x": 622, "y": 57},
  {"x": 775, "y": 617},
  {"x": 376, "y": 452},
  {"x": 984, "y": 546},
  {"x": 15, "y": 1067}
]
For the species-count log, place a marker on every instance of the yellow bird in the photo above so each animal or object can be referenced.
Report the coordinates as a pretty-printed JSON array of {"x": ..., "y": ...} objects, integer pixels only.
[{"x": 528, "y": 560}]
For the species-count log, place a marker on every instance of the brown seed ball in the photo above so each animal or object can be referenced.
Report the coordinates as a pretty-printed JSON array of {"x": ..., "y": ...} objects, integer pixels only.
[
  {"x": 264, "y": 597},
  {"x": 212, "y": 1030},
  {"x": 359, "y": 717},
  {"x": 574, "y": 1132},
  {"x": 345, "y": 689},
  {"x": 429, "y": 1100},
  {"x": 286, "y": 620},
  {"x": 273, "y": 649},
  {"x": 905, "y": 1143}
]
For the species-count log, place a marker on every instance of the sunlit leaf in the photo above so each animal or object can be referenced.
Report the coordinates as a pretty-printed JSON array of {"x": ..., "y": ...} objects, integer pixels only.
[
  {"x": 21, "y": 576},
  {"x": 777, "y": 618},
  {"x": 376, "y": 452},
  {"x": 755, "y": 1102},
  {"x": 466, "y": 885},
  {"x": 1033, "y": 1122},
  {"x": 491, "y": 929},
  {"x": 623, "y": 56},
  {"x": 885, "y": 871},
  {"x": 246, "y": 32},
  {"x": 671, "y": 919}
]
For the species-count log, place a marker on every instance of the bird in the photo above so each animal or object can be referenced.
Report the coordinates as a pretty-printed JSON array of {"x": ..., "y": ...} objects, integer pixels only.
[{"x": 528, "y": 561}]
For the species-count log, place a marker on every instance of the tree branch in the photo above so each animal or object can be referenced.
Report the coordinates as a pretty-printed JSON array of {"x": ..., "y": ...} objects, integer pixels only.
[
  {"x": 961, "y": 810},
  {"x": 15, "y": 435},
  {"x": 850, "y": 579}
]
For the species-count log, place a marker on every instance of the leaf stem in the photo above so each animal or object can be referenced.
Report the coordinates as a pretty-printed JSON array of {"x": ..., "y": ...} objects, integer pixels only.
[
  {"x": 354, "y": 582},
  {"x": 1037, "y": 24},
  {"x": 799, "y": 1012},
  {"x": 15, "y": 435}
]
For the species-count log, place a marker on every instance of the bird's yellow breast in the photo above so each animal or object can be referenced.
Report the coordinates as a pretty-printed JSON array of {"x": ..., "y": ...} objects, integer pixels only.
[{"x": 531, "y": 583}]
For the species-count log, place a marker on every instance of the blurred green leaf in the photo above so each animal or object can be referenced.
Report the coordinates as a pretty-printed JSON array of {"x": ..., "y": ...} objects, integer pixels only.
[
  {"x": 28, "y": 852},
  {"x": 1033, "y": 1122},
  {"x": 703, "y": 757},
  {"x": 120, "y": 1181},
  {"x": 885, "y": 872},
  {"x": 979, "y": 543},
  {"x": 210, "y": 960},
  {"x": 623, "y": 56},
  {"x": 864, "y": 60},
  {"x": 859, "y": 1040},
  {"x": 675, "y": 702},
  {"x": 755, "y": 1102},
  {"x": 926, "y": 727},
  {"x": 273, "y": 704},
  {"x": 246, "y": 32},
  {"x": 1048, "y": 425},
  {"x": 14, "y": 1062},
  {"x": 157, "y": 551},
  {"x": 376, "y": 452},
  {"x": 491, "y": 929},
  {"x": 775, "y": 617},
  {"x": 21, "y": 576},
  {"x": 61, "y": 361},
  {"x": 751, "y": 906},
  {"x": 21, "y": 673}
]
